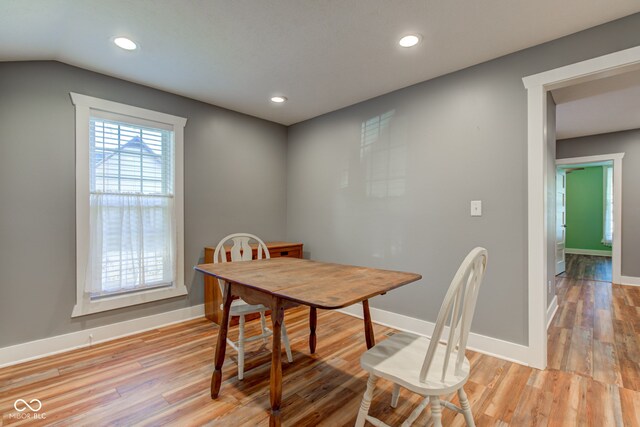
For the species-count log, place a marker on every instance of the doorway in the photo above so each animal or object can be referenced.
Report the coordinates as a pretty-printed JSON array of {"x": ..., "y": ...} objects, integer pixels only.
[
  {"x": 584, "y": 220},
  {"x": 541, "y": 180},
  {"x": 589, "y": 217}
]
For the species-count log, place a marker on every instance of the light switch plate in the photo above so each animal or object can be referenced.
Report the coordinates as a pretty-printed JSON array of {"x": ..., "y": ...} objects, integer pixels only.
[{"x": 476, "y": 208}]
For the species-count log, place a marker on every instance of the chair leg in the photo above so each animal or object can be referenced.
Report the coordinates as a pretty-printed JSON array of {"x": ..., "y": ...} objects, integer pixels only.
[
  {"x": 416, "y": 412},
  {"x": 436, "y": 411},
  {"x": 241, "y": 348},
  {"x": 366, "y": 401},
  {"x": 287, "y": 347},
  {"x": 466, "y": 408},
  {"x": 263, "y": 325},
  {"x": 395, "y": 395}
]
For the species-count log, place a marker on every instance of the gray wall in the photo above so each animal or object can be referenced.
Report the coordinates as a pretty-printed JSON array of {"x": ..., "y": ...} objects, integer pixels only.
[
  {"x": 627, "y": 142},
  {"x": 37, "y": 191},
  {"x": 399, "y": 200},
  {"x": 450, "y": 140}
]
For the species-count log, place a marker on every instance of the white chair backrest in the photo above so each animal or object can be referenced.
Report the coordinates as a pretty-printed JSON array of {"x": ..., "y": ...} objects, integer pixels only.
[
  {"x": 457, "y": 312},
  {"x": 240, "y": 251}
]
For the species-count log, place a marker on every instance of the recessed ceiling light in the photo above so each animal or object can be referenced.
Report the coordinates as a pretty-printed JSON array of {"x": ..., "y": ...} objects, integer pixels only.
[
  {"x": 409, "y": 40},
  {"x": 278, "y": 99},
  {"x": 125, "y": 43}
]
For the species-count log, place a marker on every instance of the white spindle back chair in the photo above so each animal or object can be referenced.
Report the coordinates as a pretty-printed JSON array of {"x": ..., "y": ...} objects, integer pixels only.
[
  {"x": 426, "y": 366},
  {"x": 242, "y": 251}
]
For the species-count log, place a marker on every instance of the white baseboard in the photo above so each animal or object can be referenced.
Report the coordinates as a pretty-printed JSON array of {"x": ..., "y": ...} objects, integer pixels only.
[
  {"x": 506, "y": 350},
  {"x": 48, "y": 346},
  {"x": 630, "y": 281},
  {"x": 587, "y": 252},
  {"x": 551, "y": 310}
]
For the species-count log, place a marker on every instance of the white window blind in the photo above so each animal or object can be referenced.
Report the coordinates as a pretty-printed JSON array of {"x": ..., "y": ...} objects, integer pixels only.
[{"x": 132, "y": 244}]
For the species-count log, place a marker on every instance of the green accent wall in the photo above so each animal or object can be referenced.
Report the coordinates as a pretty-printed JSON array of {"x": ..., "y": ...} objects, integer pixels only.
[{"x": 585, "y": 205}]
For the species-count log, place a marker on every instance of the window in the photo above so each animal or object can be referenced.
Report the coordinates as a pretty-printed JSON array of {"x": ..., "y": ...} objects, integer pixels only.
[{"x": 129, "y": 214}]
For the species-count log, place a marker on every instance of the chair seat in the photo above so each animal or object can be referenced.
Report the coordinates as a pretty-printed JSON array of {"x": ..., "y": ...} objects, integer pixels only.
[
  {"x": 399, "y": 359},
  {"x": 239, "y": 307}
]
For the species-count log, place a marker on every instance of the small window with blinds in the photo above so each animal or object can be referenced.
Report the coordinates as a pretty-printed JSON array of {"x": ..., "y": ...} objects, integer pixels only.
[{"x": 132, "y": 217}]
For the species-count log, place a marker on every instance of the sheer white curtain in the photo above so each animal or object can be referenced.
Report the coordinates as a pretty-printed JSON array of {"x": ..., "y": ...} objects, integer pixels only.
[
  {"x": 132, "y": 239},
  {"x": 132, "y": 242},
  {"x": 607, "y": 235}
]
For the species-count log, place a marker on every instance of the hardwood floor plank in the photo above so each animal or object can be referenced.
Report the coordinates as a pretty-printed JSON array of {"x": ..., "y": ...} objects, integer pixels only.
[
  {"x": 534, "y": 408},
  {"x": 605, "y": 366},
  {"x": 601, "y": 406},
  {"x": 502, "y": 406},
  {"x": 630, "y": 407},
  {"x": 581, "y": 352}
]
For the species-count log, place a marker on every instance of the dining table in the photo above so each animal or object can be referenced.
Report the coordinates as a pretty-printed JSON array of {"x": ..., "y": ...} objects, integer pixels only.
[{"x": 281, "y": 283}]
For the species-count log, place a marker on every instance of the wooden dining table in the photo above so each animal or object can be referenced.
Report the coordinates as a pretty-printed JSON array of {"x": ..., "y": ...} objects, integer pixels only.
[{"x": 281, "y": 283}]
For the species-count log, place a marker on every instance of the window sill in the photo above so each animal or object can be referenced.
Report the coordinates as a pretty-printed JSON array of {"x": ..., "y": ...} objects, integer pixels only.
[{"x": 86, "y": 306}]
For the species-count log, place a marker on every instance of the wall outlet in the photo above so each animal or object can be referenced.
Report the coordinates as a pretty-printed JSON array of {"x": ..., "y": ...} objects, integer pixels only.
[
  {"x": 549, "y": 287},
  {"x": 476, "y": 208}
]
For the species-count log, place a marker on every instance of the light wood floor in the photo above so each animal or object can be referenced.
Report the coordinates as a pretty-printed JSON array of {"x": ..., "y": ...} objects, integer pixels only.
[
  {"x": 587, "y": 267},
  {"x": 162, "y": 377}
]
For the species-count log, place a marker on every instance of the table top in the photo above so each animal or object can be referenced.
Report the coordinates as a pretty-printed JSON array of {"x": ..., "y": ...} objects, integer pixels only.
[{"x": 316, "y": 284}]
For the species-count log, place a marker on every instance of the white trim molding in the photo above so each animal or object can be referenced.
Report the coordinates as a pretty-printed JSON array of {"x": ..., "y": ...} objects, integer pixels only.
[
  {"x": 629, "y": 281},
  {"x": 31, "y": 350},
  {"x": 594, "y": 252},
  {"x": 495, "y": 347},
  {"x": 537, "y": 177},
  {"x": 551, "y": 310},
  {"x": 86, "y": 106}
]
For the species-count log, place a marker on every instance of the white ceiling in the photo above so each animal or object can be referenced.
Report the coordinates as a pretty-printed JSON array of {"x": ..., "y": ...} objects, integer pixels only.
[
  {"x": 321, "y": 54},
  {"x": 600, "y": 106}
]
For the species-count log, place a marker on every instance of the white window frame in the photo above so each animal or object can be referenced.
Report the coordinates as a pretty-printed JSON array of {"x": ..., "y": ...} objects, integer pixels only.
[{"x": 84, "y": 105}]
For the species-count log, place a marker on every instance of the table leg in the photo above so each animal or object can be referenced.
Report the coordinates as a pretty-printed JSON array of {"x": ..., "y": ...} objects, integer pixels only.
[
  {"x": 277, "y": 317},
  {"x": 313, "y": 321},
  {"x": 216, "y": 378},
  {"x": 368, "y": 328}
]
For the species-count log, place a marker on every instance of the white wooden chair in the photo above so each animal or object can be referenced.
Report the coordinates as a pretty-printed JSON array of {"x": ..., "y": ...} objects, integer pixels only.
[
  {"x": 425, "y": 366},
  {"x": 241, "y": 251}
]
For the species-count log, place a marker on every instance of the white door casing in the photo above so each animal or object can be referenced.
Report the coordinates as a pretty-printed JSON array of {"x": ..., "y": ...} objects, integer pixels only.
[
  {"x": 537, "y": 86},
  {"x": 561, "y": 219}
]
